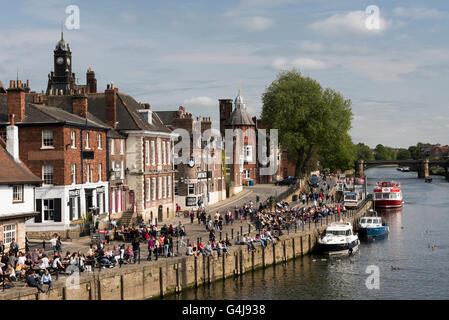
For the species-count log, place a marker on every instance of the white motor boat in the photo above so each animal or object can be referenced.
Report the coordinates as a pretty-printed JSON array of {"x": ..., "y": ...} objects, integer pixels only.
[{"x": 339, "y": 240}]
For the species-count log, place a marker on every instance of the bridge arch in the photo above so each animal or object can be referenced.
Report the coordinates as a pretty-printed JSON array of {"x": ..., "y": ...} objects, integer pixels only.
[{"x": 422, "y": 165}]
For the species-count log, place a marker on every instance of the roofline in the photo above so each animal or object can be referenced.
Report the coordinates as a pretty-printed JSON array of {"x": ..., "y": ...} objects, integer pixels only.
[
  {"x": 151, "y": 133},
  {"x": 54, "y": 124}
]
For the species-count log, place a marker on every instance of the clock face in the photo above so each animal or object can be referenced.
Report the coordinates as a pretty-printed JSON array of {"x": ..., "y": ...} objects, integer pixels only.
[
  {"x": 60, "y": 60},
  {"x": 68, "y": 61}
]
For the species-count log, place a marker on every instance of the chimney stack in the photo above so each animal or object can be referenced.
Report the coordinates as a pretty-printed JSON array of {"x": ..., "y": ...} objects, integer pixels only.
[
  {"x": 111, "y": 105},
  {"x": 12, "y": 139},
  {"x": 91, "y": 81},
  {"x": 79, "y": 104},
  {"x": 16, "y": 101}
]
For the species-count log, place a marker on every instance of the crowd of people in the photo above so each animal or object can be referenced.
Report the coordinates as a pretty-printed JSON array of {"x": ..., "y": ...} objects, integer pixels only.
[{"x": 35, "y": 267}]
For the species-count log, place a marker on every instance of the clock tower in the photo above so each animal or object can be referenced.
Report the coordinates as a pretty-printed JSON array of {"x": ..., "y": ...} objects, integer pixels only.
[{"x": 61, "y": 78}]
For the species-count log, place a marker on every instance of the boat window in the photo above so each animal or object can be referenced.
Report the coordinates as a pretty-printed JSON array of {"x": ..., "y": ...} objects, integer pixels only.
[
  {"x": 362, "y": 220},
  {"x": 336, "y": 233},
  {"x": 378, "y": 195},
  {"x": 393, "y": 196},
  {"x": 385, "y": 196},
  {"x": 369, "y": 221},
  {"x": 350, "y": 197}
]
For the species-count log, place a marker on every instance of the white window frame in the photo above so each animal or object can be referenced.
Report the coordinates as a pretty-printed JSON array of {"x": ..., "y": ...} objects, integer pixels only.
[
  {"x": 87, "y": 173},
  {"x": 46, "y": 171},
  {"x": 122, "y": 146},
  {"x": 168, "y": 152},
  {"x": 122, "y": 169},
  {"x": 159, "y": 153},
  {"x": 9, "y": 233},
  {"x": 112, "y": 146},
  {"x": 100, "y": 171},
  {"x": 190, "y": 185},
  {"x": 73, "y": 173},
  {"x": 164, "y": 187},
  {"x": 47, "y": 136},
  {"x": 148, "y": 189},
  {"x": 153, "y": 153},
  {"x": 169, "y": 187},
  {"x": 17, "y": 193},
  {"x": 86, "y": 140},
  {"x": 147, "y": 152},
  {"x": 73, "y": 139},
  {"x": 99, "y": 146},
  {"x": 153, "y": 189},
  {"x": 164, "y": 156},
  {"x": 159, "y": 189}
]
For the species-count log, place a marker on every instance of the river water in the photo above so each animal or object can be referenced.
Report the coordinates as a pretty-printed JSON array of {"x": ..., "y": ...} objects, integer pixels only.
[{"x": 423, "y": 272}]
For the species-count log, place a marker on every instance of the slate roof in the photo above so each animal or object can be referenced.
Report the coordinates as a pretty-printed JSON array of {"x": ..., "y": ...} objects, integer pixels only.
[
  {"x": 38, "y": 114},
  {"x": 167, "y": 117},
  {"x": 240, "y": 117},
  {"x": 128, "y": 115},
  {"x": 14, "y": 172}
]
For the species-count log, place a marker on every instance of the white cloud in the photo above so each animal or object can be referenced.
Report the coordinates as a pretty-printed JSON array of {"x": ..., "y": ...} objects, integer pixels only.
[
  {"x": 201, "y": 101},
  {"x": 419, "y": 13},
  {"x": 312, "y": 46},
  {"x": 353, "y": 22},
  {"x": 299, "y": 63},
  {"x": 257, "y": 23}
]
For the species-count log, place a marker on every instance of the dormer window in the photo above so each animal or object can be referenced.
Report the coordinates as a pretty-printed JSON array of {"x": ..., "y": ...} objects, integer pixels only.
[{"x": 147, "y": 115}]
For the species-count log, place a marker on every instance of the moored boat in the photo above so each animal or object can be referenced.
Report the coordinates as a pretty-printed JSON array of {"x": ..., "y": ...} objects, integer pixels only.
[
  {"x": 339, "y": 240},
  {"x": 388, "y": 195},
  {"x": 372, "y": 226}
]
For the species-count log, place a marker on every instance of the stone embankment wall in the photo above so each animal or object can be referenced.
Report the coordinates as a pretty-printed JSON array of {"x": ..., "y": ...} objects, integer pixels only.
[{"x": 154, "y": 279}]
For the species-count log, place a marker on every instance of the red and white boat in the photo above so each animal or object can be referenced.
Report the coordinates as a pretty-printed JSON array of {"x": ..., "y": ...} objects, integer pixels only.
[{"x": 388, "y": 195}]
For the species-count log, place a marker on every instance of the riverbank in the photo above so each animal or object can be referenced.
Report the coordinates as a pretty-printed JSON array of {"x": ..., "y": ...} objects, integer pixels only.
[{"x": 155, "y": 279}]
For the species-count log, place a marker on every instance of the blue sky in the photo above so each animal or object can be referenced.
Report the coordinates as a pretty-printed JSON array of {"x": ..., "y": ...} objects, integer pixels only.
[{"x": 171, "y": 53}]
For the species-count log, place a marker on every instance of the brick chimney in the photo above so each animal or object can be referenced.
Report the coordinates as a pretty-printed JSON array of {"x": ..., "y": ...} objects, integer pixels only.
[
  {"x": 225, "y": 106},
  {"x": 16, "y": 100},
  {"x": 91, "y": 81},
  {"x": 111, "y": 105},
  {"x": 206, "y": 124},
  {"x": 184, "y": 122},
  {"x": 12, "y": 139},
  {"x": 79, "y": 104}
]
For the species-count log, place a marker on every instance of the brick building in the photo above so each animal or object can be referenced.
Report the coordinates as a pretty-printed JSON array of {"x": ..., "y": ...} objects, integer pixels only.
[
  {"x": 67, "y": 150},
  {"x": 17, "y": 191},
  {"x": 197, "y": 178}
]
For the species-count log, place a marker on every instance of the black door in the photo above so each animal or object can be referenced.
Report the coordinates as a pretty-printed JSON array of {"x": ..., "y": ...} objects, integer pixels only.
[{"x": 159, "y": 214}]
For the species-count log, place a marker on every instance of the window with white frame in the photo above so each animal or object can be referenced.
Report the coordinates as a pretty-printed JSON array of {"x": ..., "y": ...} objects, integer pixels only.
[
  {"x": 247, "y": 173},
  {"x": 164, "y": 188},
  {"x": 112, "y": 146},
  {"x": 47, "y": 138},
  {"x": 159, "y": 189},
  {"x": 163, "y": 154},
  {"x": 168, "y": 152},
  {"x": 9, "y": 233},
  {"x": 148, "y": 189},
  {"x": 17, "y": 193},
  {"x": 73, "y": 139},
  {"x": 122, "y": 146},
  {"x": 100, "y": 171},
  {"x": 88, "y": 173},
  {"x": 99, "y": 142},
  {"x": 122, "y": 169},
  {"x": 153, "y": 154},
  {"x": 113, "y": 169},
  {"x": 169, "y": 187},
  {"x": 73, "y": 173},
  {"x": 147, "y": 152},
  {"x": 86, "y": 136},
  {"x": 191, "y": 189},
  {"x": 153, "y": 189},
  {"x": 248, "y": 152},
  {"x": 159, "y": 153},
  {"x": 47, "y": 174}
]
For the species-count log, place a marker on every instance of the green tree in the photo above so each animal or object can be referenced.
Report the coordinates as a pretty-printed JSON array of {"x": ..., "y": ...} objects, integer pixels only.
[
  {"x": 403, "y": 154},
  {"x": 384, "y": 153},
  {"x": 363, "y": 152},
  {"x": 311, "y": 120}
]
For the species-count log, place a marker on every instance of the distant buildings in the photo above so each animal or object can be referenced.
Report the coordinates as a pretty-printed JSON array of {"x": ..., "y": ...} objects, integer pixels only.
[{"x": 436, "y": 151}]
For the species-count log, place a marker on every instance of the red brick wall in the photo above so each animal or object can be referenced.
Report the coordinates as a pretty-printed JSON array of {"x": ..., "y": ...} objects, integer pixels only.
[{"x": 62, "y": 156}]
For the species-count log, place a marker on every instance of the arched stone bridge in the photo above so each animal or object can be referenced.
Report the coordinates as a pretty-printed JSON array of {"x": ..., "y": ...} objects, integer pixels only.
[{"x": 421, "y": 165}]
